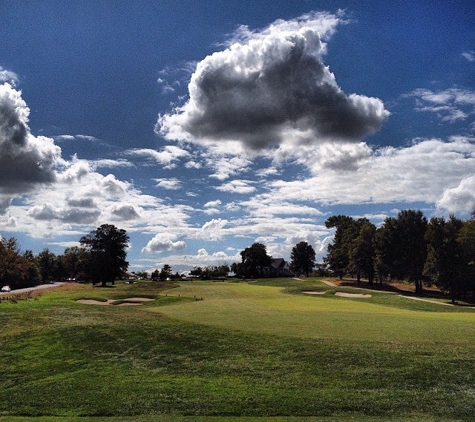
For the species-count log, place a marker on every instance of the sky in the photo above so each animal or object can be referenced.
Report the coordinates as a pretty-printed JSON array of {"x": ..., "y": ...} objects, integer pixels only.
[{"x": 202, "y": 127}]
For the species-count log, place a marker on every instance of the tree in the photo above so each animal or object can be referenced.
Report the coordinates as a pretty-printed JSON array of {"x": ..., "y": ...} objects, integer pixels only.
[
  {"x": 338, "y": 257},
  {"x": 165, "y": 273},
  {"x": 445, "y": 258},
  {"x": 254, "y": 260},
  {"x": 17, "y": 270},
  {"x": 48, "y": 265},
  {"x": 405, "y": 248},
  {"x": 352, "y": 247},
  {"x": 74, "y": 262},
  {"x": 466, "y": 239},
  {"x": 362, "y": 251},
  {"x": 106, "y": 247},
  {"x": 302, "y": 258}
]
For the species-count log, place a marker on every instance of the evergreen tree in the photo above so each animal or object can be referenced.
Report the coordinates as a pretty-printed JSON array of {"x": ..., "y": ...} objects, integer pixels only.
[{"x": 302, "y": 258}]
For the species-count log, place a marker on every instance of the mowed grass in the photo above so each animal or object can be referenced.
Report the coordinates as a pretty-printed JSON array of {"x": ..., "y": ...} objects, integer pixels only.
[{"x": 206, "y": 351}]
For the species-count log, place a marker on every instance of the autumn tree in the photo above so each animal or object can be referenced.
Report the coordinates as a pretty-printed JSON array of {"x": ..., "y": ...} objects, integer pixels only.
[{"x": 17, "y": 270}]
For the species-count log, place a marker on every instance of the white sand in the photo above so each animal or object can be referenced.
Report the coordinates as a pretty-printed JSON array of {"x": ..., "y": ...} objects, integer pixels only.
[
  {"x": 357, "y": 295},
  {"x": 130, "y": 301}
]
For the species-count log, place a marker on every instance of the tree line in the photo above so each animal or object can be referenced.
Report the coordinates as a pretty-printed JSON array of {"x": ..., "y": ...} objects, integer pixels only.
[
  {"x": 255, "y": 262},
  {"x": 408, "y": 247},
  {"x": 101, "y": 258}
]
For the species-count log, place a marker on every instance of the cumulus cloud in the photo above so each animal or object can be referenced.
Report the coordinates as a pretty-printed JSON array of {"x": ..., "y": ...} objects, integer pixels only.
[
  {"x": 460, "y": 198},
  {"x": 8, "y": 76},
  {"x": 48, "y": 212},
  {"x": 270, "y": 87},
  {"x": 227, "y": 166},
  {"x": 26, "y": 161},
  {"x": 212, "y": 207},
  {"x": 421, "y": 172},
  {"x": 164, "y": 242},
  {"x": 213, "y": 230},
  {"x": 125, "y": 212}
]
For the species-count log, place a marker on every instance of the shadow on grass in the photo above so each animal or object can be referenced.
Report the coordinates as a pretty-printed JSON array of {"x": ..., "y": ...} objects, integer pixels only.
[{"x": 403, "y": 289}]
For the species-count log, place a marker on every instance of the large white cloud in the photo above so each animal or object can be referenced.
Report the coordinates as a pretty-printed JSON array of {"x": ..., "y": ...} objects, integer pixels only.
[
  {"x": 426, "y": 171},
  {"x": 26, "y": 161},
  {"x": 163, "y": 242},
  {"x": 460, "y": 198},
  {"x": 271, "y": 87}
]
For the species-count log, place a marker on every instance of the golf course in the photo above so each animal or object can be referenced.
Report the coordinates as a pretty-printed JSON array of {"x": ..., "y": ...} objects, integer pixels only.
[{"x": 267, "y": 350}]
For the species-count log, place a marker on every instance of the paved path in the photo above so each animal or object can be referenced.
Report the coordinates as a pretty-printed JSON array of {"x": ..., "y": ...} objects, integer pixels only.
[{"x": 30, "y": 289}]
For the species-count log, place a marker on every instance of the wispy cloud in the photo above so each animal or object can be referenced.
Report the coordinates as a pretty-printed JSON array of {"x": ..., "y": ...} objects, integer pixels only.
[
  {"x": 469, "y": 55},
  {"x": 8, "y": 76},
  {"x": 450, "y": 105},
  {"x": 167, "y": 157},
  {"x": 170, "y": 183},
  {"x": 237, "y": 186}
]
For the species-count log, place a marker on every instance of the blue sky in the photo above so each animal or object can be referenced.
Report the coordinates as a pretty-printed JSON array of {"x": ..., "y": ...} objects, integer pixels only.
[{"x": 202, "y": 127}]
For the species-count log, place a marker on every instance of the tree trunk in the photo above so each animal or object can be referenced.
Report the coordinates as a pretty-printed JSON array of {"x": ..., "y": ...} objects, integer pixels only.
[{"x": 418, "y": 284}]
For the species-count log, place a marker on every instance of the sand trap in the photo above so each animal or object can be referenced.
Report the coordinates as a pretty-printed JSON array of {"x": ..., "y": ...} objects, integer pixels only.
[
  {"x": 357, "y": 295},
  {"x": 314, "y": 293},
  {"x": 130, "y": 301},
  {"x": 94, "y": 302}
]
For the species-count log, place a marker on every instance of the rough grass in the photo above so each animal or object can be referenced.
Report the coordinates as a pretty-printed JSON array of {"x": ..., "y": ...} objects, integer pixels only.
[{"x": 245, "y": 350}]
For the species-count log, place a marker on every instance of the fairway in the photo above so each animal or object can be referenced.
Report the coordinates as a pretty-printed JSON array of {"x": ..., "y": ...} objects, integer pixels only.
[
  {"x": 205, "y": 351},
  {"x": 270, "y": 310}
]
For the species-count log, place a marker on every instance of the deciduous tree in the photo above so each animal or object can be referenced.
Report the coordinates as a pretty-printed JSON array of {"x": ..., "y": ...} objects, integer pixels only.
[
  {"x": 254, "y": 260},
  {"x": 107, "y": 248}
]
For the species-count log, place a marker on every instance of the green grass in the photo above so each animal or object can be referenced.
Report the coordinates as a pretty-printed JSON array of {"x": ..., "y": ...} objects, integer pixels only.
[{"x": 258, "y": 351}]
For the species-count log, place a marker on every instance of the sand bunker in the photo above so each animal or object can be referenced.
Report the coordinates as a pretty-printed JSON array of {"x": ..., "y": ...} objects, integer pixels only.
[
  {"x": 357, "y": 295},
  {"x": 313, "y": 293},
  {"x": 130, "y": 301},
  {"x": 94, "y": 302}
]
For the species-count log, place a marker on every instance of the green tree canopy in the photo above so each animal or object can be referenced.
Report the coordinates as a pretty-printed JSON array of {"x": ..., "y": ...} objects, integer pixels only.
[
  {"x": 405, "y": 247},
  {"x": 445, "y": 258},
  {"x": 107, "y": 248},
  {"x": 302, "y": 258},
  {"x": 254, "y": 260}
]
